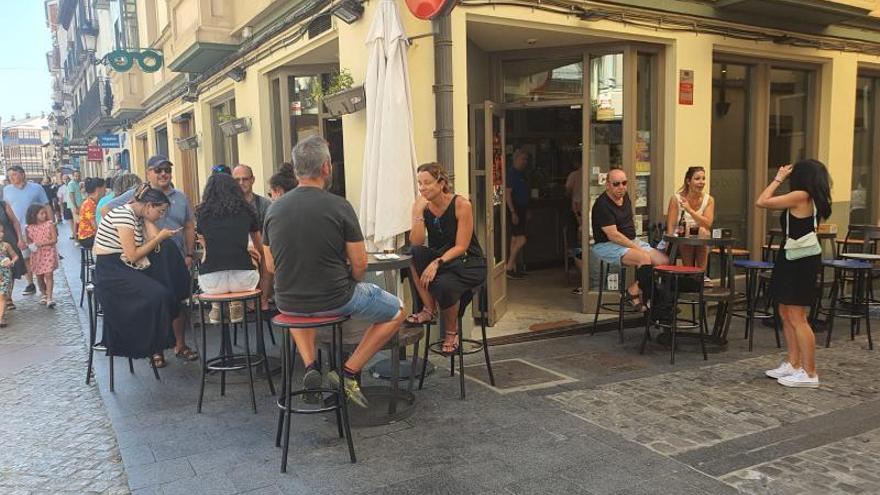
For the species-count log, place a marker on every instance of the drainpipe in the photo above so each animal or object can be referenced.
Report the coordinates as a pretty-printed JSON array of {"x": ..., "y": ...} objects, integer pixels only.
[{"x": 443, "y": 131}]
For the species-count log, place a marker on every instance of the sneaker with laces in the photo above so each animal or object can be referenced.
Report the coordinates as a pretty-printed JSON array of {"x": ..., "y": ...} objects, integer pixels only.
[
  {"x": 800, "y": 379},
  {"x": 351, "y": 387},
  {"x": 29, "y": 290},
  {"x": 784, "y": 369}
]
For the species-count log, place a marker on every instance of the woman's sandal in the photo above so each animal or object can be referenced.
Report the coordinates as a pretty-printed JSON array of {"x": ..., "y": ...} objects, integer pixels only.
[
  {"x": 450, "y": 347},
  {"x": 158, "y": 361},
  {"x": 187, "y": 354},
  {"x": 634, "y": 303},
  {"x": 420, "y": 318}
]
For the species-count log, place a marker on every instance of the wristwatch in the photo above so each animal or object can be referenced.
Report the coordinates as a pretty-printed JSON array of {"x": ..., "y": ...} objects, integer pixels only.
[{"x": 440, "y": 262}]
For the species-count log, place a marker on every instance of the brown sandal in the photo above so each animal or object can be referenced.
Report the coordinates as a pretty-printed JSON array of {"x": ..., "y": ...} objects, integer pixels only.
[
  {"x": 420, "y": 318},
  {"x": 158, "y": 361},
  {"x": 450, "y": 347},
  {"x": 187, "y": 354}
]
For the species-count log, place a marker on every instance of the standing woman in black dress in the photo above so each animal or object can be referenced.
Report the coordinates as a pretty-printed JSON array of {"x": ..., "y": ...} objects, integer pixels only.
[
  {"x": 452, "y": 263},
  {"x": 793, "y": 284}
]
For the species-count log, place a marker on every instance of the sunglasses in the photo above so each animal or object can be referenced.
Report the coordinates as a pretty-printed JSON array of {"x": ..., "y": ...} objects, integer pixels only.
[
  {"x": 160, "y": 170},
  {"x": 619, "y": 183}
]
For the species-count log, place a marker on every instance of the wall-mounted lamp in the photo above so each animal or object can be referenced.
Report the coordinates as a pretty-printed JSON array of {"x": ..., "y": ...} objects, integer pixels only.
[{"x": 349, "y": 11}]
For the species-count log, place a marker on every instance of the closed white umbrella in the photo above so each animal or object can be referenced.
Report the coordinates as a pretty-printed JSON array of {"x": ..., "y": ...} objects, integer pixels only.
[{"x": 389, "y": 185}]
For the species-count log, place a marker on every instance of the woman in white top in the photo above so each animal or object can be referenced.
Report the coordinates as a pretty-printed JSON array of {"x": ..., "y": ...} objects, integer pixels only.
[{"x": 699, "y": 213}]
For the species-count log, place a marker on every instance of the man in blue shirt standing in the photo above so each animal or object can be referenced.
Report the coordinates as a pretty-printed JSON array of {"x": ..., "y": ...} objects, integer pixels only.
[
  {"x": 179, "y": 216},
  {"x": 21, "y": 194},
  {"x": 517, "y": 196}
]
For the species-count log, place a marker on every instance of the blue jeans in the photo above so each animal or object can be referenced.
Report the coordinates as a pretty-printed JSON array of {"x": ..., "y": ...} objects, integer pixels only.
[{"x": 368, "y": 303}]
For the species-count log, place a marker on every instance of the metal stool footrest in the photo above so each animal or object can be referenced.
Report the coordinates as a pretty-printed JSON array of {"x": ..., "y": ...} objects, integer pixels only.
[
  {"x": 333, "y": 394},
  {"x": 233, "y": 362},
  {"x": 474, "y": 347}
]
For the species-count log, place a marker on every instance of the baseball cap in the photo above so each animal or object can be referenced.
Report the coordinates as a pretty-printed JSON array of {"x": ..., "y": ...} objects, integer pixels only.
[
  {"x": 158, "y": 161},
  {"x": 15, "y": 168}
]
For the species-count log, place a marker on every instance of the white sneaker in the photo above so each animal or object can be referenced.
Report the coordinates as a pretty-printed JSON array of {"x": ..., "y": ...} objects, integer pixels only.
[
  {"x": 784, "y": 369},
  {"x": 800, "y": 379}
]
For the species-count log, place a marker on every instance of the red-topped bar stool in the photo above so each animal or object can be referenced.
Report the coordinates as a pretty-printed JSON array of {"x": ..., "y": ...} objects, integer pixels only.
[
  {"x": 332, "y": 400},
  {"x": 227, "y": 360},
  {"x": 676, "y": 273}
]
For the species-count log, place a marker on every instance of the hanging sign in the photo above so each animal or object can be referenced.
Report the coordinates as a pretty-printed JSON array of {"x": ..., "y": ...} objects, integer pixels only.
[
  {"x": 108, "y": 140},
  {"x": 685, "y": 87},
  {"x": 95, "y": 153},
  {"x": 429, "y": 9}
]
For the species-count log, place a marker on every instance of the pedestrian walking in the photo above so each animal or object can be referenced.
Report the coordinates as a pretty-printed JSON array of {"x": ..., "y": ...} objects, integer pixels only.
[
  {"x": 8, "y": 259},
  {"x": 798, "y": 262},
  {"x": 74, "y": 201},
  {"x": 226, "y": 223},
  {"x": 43, "y": 240},
  {"x": 21, "y": 194},
  {"x": 11, "y": 234}
]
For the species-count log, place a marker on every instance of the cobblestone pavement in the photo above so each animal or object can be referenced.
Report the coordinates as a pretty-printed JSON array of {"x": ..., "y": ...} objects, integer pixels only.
[
  {"x": 677, "y": 412},
  {"x": 55, "y": 433},
  {"x": 851, "y": 465}
]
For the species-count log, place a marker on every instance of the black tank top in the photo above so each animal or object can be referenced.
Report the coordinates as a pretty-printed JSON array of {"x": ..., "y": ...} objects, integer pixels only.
[
  {"x": 442, "y": 230},
  {"x": 798, "y": 227}
]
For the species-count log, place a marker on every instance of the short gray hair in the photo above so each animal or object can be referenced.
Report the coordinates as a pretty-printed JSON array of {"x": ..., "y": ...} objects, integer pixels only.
[{"x": 308, "y": 157}]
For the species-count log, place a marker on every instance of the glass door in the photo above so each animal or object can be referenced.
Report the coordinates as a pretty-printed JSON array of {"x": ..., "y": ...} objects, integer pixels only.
[
  {"x": 862, "y": 196},
  {"x": 487, "y": 186}
]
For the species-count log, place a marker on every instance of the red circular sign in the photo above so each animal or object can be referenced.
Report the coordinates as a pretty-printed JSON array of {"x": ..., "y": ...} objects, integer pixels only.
[{"x": 429, "y": 9}]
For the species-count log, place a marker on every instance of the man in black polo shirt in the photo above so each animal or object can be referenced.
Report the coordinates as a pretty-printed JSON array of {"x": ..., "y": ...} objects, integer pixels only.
[{"x": 615, "y": 233}]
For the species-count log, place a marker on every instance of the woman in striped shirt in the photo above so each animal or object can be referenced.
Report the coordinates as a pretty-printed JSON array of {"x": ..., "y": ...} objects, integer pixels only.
[{"x": 137, "y": 307}]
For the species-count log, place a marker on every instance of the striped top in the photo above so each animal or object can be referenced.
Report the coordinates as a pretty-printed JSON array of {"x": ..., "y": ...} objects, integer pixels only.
[{"x": 107, "y": 237}]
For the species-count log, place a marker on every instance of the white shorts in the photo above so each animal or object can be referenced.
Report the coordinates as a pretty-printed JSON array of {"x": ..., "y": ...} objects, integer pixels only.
[{"x": 227, "y": 281}]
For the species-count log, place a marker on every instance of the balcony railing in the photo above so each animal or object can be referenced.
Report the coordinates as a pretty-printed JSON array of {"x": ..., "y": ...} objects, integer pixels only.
[{"x": 93, "y": 112}]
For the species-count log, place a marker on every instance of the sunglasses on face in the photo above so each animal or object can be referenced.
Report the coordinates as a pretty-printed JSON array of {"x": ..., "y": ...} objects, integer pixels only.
[
  {"x": 160, "y": 170},
  {"x": 619, "y": 183}
]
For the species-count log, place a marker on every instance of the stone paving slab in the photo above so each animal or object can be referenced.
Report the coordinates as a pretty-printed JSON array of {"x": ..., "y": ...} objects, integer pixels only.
[
  {"x": 676, "y": 412},
  {"x": 849, "y": 466},
  {"x": 55, "y": 434}
]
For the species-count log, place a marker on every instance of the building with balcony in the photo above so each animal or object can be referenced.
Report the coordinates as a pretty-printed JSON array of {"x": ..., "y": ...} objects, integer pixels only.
[
  {"x": 23, "y": 143},
  {"x": 739, "y": 87}
]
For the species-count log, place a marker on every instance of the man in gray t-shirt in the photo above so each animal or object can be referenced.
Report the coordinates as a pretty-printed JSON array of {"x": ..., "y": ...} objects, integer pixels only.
[{"x": 317, "y": 252}]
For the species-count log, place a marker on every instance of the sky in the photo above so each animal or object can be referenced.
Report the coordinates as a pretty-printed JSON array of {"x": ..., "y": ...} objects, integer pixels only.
[{"x": 25, "y": 83}]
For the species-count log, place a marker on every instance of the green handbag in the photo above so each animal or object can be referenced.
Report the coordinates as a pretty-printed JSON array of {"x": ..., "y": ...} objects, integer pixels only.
[{"x": 806, "y": 245}]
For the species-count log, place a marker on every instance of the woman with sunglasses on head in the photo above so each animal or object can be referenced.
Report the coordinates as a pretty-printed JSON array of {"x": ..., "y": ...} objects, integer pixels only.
[
  {"x": 694, "y": 209},
  {"x": 138, "y": 308},
  {"x": 452, "y": 263},
  {"x": 793, "y": 285}
]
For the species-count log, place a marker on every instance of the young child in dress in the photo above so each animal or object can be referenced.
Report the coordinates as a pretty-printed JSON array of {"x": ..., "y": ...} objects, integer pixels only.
[
  {"x": 44, "y": 255},
  {"x": 7, "y": 259}
]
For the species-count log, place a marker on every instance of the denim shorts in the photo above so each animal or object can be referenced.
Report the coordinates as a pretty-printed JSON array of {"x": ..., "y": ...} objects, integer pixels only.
[
  {"x": 611, "y": 252},
  {"x": 369, "y": 303}
]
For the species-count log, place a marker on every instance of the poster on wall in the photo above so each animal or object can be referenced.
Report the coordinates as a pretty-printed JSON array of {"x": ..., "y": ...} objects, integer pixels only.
[
  {"x": 643, "y": 152},
  {"x": 685, "y": 87}
]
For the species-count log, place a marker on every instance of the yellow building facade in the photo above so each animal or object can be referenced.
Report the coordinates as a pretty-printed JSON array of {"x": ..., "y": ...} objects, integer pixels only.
[{"x": 599, "y": 85}]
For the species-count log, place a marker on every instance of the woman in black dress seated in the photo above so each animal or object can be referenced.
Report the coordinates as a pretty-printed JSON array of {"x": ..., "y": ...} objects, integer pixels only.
[
  {"x": 793, "y": 284},
  {"x": 138, "y": 306},
  {"x": 452, "y": 263}
]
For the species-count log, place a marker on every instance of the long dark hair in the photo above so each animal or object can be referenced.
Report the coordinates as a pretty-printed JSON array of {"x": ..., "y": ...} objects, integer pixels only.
[
  {"x": 284, "y": 178},
  {"x": 691, "y": 171},
  {"x": 33, "y": 212},
  {"x": 812, "y": 176},
  {"x": 223, "y": 198}
]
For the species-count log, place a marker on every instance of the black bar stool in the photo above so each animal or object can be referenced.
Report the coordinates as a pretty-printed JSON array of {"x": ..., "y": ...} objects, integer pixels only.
[
  {"x": 94, "y": 313},
  {"x": 857, "y": 305},
  {"x": 475, "y": 345},
  {"x": 227, "y": 360},
  {"x": 754, "y": 269},
  {"x": 604, "y": 271},
  {"x": 676, "y": 274},
  {"x": 86, "y": 261},
  {"x": 336, "y": 401}
]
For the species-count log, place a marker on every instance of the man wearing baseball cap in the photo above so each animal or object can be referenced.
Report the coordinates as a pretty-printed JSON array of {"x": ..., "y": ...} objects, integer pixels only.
[{"x": 179, "y": 216}]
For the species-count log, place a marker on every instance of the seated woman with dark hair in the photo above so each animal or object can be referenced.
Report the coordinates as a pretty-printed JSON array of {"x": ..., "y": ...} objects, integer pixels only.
[
  {"x": 452, "y": 263},
  {"x": 282, "y": 181},
  {"x": 225, "y": 221},
  {"x": 138, "y": 306}
]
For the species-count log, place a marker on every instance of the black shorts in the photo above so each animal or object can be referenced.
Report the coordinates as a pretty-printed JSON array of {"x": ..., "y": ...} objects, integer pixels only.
[
  {"x": 522, "y": 211},
  {"x": 68, "y": 215}
]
